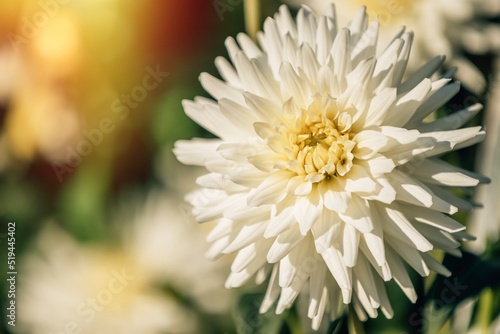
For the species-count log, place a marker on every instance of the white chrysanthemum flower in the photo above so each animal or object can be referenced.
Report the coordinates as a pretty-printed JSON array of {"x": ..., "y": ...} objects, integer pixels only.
[
  {"x": 324, "y": 173},
  {"x": 444, "y": 27}
]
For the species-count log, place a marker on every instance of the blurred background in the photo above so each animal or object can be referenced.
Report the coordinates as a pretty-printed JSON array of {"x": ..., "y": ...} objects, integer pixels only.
[{"x": 90, "y": 106}]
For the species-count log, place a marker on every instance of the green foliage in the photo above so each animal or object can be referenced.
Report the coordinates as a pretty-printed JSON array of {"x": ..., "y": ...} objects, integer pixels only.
[
  {"x": 471, "y": 274},
  {"x": 83, "y": 200},
  {"x": 248, "y": 320},
  {"x": 169, "y": 122}
]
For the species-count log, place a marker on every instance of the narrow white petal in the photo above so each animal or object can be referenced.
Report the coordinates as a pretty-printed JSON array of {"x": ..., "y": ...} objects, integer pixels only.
[
  {"x": 442, "y": 173},
  {"x": 436, "y": 101},
  {"x": 400, "y": 274},
  {"x": 398, "y": 136},
  {"x": 298, "y": 186},
  {"x": 218, "y": 181},
  {"x": 380, "y": 105},
  {"x": 378, "y": 165},
  {"x": 222, "y": 228},
  {"x": 272, "y": 43},
  {"x": 227, "y": 71},
  {"x": 283, "y": 244},
  {"x": 293, "y": 85},
  {"x": 362, "y": 297},
  {"x": 239, "y": 115},
  {"x": 252, "y": 253},
  {"x": 272, "y": 293},
  {"x": 342, "y": 60},
  {"x": 262, "y": 274},
  {"x": 264, "y": 108},
  {"x": 215, "y": 250},
  {"x": 316, "y": 290},
  {"x": 358, "y": 308},
  {"x": 325, "y": 230},
  {"x": 208, "y": 115},
  {"x": 334, "y": 197},
  {"x": 306, "y": 26},
  {"x": 460, "y": 203},
  {"x": 296, "y": 266},
  {"x": 247, "y": 235},
  {"x": 358, "y": 215},
  {"x": 285, "y": 21},
  {"x": 271, "y": 190},
  {"x": 366, "y": 46},
  {"x": 307, "y": 210},
  {"x": 414, "y": 192},
  {"x": 351, "y": 244},
  {"x": 214, "y": 211},
  {"x": 358, "y": 180},
  {"x": 407, "y": 105},
  {"x": 240, "y": 211},
  {"x": 316, "y": 319},
  {"x": 433, "y": 218},
  {"x": 248, "y": 75},
  {"x": 339, "y": 271},
  {"x": 440, "y": 239},
  {"x": 453, "y": 121},
  {"x": 385, "y": 305},
  {"x": 358, "y": 24},
  {"x": 364, "y": 273},
  {"x": 398, "y": 226},
  {"x": 248, "y": 46},
  {"x": 375, "y": 239},
  {"x": 324, "y": 40},
  {"x": 452, "y": 140},
  {"x": 369, "y": 142},
  {"x": 309, "y": 62},
  {"x": 403, "y": 57},
  {"x": 411, "y": 255},
  {"x": 424, "y": 72},
  {"x": 197, "y": 151},
  {"x": 220, "y": 89},
  {"x": 435, "y": 265}
]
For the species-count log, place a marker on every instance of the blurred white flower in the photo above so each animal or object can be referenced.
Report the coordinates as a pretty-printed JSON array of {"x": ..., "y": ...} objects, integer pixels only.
[
  {"x": 324, "y": 171},
  {"x": 463, "y": 319},
  {"x": 165, "y": 239},
  {"x": 443, "y": 26},
  {"x": 485, "y": 222},
  {"x": 106, "y": 289},
  {"x": 66, "y": 287}
]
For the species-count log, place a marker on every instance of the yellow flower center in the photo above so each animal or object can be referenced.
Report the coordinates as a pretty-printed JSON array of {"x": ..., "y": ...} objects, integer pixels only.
[{"x": 322, "y": 143}]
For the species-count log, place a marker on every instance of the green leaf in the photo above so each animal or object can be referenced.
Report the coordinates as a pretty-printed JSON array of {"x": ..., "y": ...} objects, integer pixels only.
[
  {"x": 471, "y": 274},
  {"x": 338, "y": 326},
  {"x": 248, "y": 319}
]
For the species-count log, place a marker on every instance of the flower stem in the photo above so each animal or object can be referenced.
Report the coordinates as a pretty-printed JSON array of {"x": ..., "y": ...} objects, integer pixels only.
[
  {"x": 485, "y": 307},
  {"x": 252, "y": 17},
  {"x": 354, "y": 325}
]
